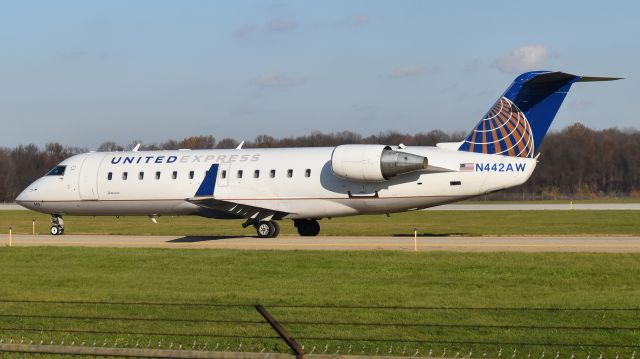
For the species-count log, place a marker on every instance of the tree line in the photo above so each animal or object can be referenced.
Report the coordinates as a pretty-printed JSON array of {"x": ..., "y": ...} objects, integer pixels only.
[{"x": 576, "y": 162}]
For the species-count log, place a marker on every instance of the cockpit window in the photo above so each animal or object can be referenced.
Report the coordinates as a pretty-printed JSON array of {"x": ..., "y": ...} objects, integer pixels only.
[{"x": 57, "y": 171}]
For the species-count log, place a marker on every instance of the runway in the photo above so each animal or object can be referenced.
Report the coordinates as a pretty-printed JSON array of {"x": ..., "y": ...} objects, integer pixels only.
[
  {"x": 569, "y": 206},
  {"x": 485, "y": 206},
  {"x": 457, "y": 244}
]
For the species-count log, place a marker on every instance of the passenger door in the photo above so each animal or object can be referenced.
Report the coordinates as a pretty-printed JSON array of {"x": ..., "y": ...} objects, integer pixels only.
[{"x": 88, "y": 179}]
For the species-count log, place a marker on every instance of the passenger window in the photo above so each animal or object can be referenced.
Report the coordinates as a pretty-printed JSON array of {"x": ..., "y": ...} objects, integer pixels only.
[
  {"x": 289, "y": 173},
  {"x": 191, "y": 174},
  {"x": 158, "y": 175},
  {"x": 224, "y": 174},
  {"x": 124, "y": 176},
  {"x": 239, "y": 173},
  {"x": 109, "y": 176},
  {"x": 272, "y": 174},
  {"x": 307, "y": 172},
  {"x": 256, "y": 174},
  {"x": 174, "y": 175},
  {"x": 57, "y": 171},
  {"x": 141, "y": 175}
]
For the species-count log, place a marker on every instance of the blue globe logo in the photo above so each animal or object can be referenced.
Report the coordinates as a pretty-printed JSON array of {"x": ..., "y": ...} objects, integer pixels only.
[{"x": 504, "y": 130}]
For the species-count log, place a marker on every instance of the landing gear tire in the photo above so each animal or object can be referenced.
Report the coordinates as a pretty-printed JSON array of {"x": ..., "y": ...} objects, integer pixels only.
[
  {"x": 267, "y": 229},
  {"x": 56, "y": 230},
  {"x": 57, "y": 225},
  {"x": 307, "y": 227}
]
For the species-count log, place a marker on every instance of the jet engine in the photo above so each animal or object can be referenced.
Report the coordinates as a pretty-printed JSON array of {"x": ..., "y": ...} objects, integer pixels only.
[{"x": 373, "y": 162}]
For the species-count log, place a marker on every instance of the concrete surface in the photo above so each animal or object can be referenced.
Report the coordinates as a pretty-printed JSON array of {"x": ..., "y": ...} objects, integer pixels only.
[
  {"x": 535, "y": 206},
  {"x": 613, "y": 244}
]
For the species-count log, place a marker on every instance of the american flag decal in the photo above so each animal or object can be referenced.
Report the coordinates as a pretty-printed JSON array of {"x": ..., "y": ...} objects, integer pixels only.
[{"x": 467, "y": 167}]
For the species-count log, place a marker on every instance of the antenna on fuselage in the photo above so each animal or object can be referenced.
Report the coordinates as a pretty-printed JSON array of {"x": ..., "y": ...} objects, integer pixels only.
[
  {"x": 240, "y": 146},
  {"x": 136, "y": 148}
]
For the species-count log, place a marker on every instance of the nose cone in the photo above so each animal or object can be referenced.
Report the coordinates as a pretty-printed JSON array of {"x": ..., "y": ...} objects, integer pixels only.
[
  {"x": 22, "y": 198},
  {"x": 27, "y": 197}
]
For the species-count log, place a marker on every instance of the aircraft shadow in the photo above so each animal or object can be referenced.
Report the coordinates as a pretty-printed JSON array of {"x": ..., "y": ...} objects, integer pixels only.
[{"x": 196, "y": 239}]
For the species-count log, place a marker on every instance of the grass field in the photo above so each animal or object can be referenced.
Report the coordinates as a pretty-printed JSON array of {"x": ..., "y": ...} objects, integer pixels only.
[
  {"x": 428, "y": 223},
  {"x": 386, "y": 302}
]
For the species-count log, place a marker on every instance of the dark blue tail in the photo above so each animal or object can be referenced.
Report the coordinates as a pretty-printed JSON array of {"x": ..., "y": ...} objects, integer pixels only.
[{"x": 519, "y": 120}]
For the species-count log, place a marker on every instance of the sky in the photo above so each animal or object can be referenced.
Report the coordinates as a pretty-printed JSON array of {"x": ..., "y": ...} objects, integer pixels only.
[{"x": 84, "y": 72}]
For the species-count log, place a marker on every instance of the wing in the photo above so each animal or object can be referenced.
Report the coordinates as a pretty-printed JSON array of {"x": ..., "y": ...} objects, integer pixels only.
[
  {"x": 204, "y": 198},
  {"x": 251, "y": 213}
]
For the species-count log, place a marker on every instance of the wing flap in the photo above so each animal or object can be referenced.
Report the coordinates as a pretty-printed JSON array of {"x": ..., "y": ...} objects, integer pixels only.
[{"x": 251, "y": 213}]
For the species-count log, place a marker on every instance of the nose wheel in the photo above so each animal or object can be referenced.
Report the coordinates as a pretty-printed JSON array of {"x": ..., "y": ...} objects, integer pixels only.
[
  {"x": 267, "y": 229},
  {"x": 57, "y": 225}
]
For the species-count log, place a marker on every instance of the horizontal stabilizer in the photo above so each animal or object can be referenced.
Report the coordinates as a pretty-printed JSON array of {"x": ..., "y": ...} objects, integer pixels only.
[{"x": 594, "y": 79}]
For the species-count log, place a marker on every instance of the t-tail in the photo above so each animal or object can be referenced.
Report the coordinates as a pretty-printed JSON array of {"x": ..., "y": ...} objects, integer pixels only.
[{"x": 519, "y": 120}]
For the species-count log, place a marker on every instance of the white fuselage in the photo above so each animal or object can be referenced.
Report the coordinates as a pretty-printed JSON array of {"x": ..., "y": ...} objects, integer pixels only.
[{"x": 296, "y": 181}]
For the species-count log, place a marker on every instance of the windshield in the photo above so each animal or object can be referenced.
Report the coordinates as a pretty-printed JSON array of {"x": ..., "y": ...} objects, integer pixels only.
[{"x": 57, "y": 171}]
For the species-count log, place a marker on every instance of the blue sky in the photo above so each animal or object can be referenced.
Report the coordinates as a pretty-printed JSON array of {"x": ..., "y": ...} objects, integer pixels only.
[{"x": 84, "y": 72}]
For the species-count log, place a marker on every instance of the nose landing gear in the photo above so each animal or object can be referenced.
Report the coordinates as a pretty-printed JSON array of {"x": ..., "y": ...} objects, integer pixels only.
[{"x": 57, "y": 225}]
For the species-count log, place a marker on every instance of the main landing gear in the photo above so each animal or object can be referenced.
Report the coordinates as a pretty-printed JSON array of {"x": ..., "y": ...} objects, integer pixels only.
[
  {"x": 307, "y": 227},
  {"x": 57, "y": 225},
  {"x": 267, "y": 229}
]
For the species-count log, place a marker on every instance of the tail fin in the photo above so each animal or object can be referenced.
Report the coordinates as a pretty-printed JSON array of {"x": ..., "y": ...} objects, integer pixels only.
[{"x": 519, "y": 120}]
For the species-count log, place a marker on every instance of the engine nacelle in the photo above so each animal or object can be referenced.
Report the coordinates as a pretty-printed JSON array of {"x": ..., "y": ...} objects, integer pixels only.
[{"x": 373, "y": 162}]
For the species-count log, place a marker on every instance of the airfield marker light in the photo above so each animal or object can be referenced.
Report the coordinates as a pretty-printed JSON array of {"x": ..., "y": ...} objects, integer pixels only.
[
  {"x": 33, "y": 226},
  {"x": 415, "y": 239},
  {"x": 10, "y": 237}
]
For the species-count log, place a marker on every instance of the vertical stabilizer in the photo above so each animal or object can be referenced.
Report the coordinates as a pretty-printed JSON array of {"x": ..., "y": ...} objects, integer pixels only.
[{"x": 519, "y": 120}]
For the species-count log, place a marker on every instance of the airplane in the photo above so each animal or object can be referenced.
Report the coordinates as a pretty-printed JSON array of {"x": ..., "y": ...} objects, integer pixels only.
[{"x": 264, "y": 186}]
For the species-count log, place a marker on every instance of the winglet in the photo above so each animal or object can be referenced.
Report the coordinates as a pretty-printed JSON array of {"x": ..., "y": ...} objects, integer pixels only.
[{"x": 208, "y": 184}]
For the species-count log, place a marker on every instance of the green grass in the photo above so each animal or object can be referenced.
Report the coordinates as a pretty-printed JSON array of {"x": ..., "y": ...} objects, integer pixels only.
[
  {"x": 301, "y": 287},
  {"x": 436, "y": 223}
]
